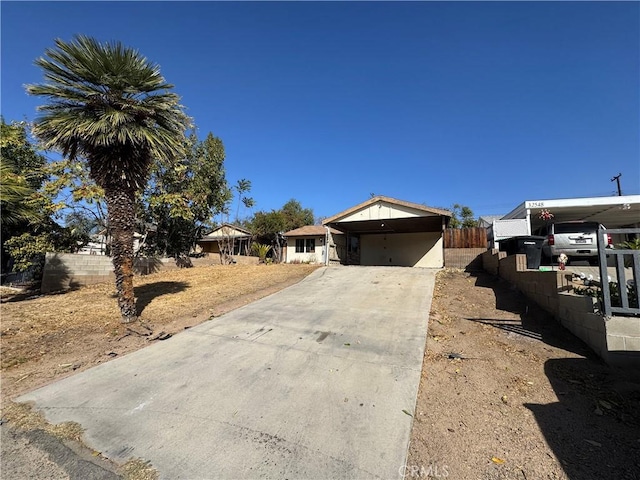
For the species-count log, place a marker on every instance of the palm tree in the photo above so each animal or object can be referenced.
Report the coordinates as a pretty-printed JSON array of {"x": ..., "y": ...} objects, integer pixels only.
[
  {"x": 15, "y": 192},
  {"x": 110, "y": 107}
]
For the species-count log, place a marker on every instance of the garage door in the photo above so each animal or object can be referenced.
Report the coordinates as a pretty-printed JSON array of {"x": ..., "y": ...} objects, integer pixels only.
[{"x": 420, "y": 249}]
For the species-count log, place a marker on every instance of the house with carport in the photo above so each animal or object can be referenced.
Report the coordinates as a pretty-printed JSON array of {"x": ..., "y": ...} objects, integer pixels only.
[{"x": 385, "y": 231}]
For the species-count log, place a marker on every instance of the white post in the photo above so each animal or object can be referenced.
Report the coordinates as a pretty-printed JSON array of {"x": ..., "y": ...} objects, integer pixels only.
[{"x": 326, "y": 246}]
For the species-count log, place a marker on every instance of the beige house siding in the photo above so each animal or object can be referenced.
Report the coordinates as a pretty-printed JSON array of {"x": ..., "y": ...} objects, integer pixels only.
[
  {"x": 390, "y": 232},
  {"x": 402, "y": 249},
  {"x": 315, "y": 257},
  {"x": 381, "y": 211}
]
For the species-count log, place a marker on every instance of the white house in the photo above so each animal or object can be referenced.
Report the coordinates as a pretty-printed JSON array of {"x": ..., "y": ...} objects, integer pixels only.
[{"x": 308, "y": 244}]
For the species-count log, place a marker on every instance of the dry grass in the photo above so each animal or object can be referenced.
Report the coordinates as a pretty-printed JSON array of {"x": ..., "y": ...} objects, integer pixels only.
[
  {"x": 50, "y": 336},
  {"x": 23, "y": 417}
]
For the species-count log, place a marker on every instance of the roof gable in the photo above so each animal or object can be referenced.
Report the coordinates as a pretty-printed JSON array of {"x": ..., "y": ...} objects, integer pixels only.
[
  {"x": 380, "y": 208},
  {"x": 227, "y": 230}
]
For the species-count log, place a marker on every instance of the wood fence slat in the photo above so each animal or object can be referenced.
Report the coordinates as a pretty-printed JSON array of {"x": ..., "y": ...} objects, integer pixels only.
[{"x": 474, "y": 237}]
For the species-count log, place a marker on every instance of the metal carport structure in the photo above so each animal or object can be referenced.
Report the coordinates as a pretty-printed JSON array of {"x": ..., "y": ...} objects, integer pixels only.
[{"x": 612, "y": 212}]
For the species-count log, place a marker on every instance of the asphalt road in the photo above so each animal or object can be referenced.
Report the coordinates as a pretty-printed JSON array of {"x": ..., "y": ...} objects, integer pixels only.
[{"x": 315, "y": 381}]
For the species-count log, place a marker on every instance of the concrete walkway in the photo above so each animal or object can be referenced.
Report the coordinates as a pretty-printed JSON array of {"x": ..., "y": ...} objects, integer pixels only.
[{"x": 310, "y": 382}]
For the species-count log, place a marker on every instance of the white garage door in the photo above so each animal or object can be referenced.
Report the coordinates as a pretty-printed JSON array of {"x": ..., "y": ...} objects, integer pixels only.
[{"x": 402, "y": 249}]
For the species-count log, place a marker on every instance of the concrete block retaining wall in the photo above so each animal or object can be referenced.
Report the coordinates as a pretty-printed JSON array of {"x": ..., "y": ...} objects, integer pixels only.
[
  {"x": 66, "y": 270},
  {"x": 616, "y": 340},
  {"x": 491, "y": 259},
  {"x": 466, "y": 258}
]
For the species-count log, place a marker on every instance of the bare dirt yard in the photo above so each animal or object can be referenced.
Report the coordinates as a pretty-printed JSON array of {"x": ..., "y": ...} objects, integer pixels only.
[
  {"x": 46, "y": 337},
  {"x": 506, "y": 393},
  {"x": 526, "y": 401}
]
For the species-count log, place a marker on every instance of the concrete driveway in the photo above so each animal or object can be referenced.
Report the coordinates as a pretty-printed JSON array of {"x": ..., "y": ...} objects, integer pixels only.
[{"x": 311, "y": 382}]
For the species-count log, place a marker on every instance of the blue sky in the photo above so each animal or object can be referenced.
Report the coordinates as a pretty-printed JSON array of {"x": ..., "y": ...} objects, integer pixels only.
[{"x": 486, "y": 104}]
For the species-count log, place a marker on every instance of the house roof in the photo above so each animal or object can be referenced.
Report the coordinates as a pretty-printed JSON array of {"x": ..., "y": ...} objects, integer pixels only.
[
  {"x": 226, "y": 230},
  {"x": 487, "y": 220},
  {"x": 391, "y": 201},
  {"x": 309, "y": 230}
]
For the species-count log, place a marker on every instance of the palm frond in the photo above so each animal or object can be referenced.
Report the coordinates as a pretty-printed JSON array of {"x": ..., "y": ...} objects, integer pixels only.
[{"x": 106, "y": 102}]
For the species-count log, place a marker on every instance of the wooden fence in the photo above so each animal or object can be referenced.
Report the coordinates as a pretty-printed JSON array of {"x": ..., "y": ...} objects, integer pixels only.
[{"x": 475, "y": 237}]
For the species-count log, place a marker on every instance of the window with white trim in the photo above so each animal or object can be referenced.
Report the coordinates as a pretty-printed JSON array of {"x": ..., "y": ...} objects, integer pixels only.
[{"x": 305, "y": 245}]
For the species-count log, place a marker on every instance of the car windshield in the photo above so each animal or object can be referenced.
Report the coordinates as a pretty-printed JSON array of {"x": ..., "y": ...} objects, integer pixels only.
[{"x": 575, "y": 227}]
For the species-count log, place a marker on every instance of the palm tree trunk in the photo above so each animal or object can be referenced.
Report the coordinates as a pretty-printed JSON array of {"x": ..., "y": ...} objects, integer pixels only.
[{"x": 121, "y": 210}]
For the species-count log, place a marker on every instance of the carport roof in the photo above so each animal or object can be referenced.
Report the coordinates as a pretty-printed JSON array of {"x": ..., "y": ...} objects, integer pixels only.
[
  {"x": 420, "y": 219},
  {"x": 612, "y": 212}
]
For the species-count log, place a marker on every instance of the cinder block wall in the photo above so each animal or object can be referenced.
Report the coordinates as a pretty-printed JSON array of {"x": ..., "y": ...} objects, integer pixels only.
[
  {"x": 615, "y": 340},
  {"x": 467, "y": 258},
  {"x": 67, "y": 270},
  {"x": 491, "y": 259}
]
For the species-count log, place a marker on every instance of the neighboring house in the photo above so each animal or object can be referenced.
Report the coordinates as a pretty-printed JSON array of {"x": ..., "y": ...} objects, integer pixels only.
[
  {"x": 387, "y": 231},
  {"x": 98, "y": 244},
  {"x": 235, "y": 239},
  {"x": 486, "y": 221},
  {"x": 308, "y": 244}
]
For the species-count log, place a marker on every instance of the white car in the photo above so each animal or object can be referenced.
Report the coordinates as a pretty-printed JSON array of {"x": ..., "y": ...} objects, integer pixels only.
[{"x": 577, "y": 240}]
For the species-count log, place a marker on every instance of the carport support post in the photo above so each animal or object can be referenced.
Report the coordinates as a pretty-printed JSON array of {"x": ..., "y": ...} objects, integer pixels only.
[
  {"x": 326, "y": 246},
  {"x": 442, "y": 234}
]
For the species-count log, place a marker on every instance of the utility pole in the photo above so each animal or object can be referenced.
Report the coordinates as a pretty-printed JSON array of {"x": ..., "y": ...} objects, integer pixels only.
[{"x": 617, "y": 180}]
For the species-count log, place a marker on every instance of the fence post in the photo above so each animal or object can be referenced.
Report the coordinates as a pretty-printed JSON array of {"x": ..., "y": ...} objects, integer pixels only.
[{"x": 604, "y": 274}]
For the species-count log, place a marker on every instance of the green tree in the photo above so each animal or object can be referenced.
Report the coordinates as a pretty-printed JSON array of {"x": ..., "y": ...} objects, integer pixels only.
[
  {"x": 296, "y": 216},
  {"x": 21, "y": 174},
  {"x": 268, "y": 227},
  {"x": 242, "y": 187},
  {"x": 17, "y": 148},
  {"x": 462, "y": 217},
  {"x": 23, "y": 210},
  {"x": 182, "y": 198},
  {"x": 28, "y": 251},
  {"x": 81, "y": 225},
  {"x": 110, "y": 107}
]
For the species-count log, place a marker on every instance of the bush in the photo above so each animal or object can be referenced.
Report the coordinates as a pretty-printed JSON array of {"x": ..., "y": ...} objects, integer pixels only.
[
  {"x": 28, "y": 251},
  {"x": 261, "y": 250}
]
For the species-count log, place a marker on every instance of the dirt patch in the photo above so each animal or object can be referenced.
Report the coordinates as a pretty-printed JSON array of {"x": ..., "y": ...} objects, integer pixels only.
[
  {"x": 47, "y": 337},
  {"x": 52, "y": 336},
  {"x": 507, "y": 393}
]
